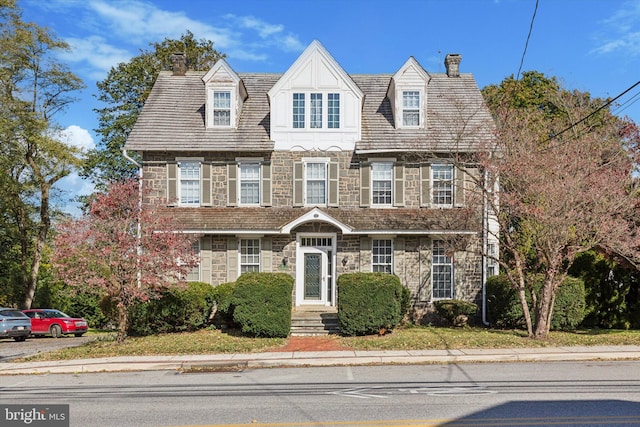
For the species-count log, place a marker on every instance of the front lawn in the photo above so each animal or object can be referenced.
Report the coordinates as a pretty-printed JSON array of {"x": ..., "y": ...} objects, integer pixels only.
[{"x": 412, "y": 338}]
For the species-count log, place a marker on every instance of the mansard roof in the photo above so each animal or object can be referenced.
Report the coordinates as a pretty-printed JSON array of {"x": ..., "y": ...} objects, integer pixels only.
[{"x": 174, "y": 116}]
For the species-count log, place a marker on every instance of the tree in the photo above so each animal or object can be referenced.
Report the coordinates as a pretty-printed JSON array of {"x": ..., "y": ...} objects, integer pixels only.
[
  {"x": 561, "y": 181},
  {"x": 124, "y": 91},
  {"x": 33, "y": 88},
  {"x": 122, "y": 249}
]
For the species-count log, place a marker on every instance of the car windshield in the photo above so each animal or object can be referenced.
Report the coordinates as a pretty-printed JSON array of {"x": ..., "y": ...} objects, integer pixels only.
[
  {"x": 12, "y": 313},
  {"x": 56, "y": 313}
]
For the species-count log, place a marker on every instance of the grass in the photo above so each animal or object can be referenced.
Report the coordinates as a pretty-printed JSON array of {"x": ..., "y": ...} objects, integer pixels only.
[{"x": 411, "y": 338}]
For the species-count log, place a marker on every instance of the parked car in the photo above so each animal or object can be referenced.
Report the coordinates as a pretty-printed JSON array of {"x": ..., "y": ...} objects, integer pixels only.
[
  {"x": 14, "y": 324},
  {"x": 54, "y": 322}
]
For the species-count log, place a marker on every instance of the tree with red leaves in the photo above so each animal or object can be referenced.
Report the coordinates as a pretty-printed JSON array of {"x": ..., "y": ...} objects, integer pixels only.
[
  {"x": 562, "y": 181},
  {"x": 122, "y": 249}
]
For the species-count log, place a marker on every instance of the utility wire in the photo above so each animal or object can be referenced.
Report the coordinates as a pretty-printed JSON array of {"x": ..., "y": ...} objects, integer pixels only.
[
  {"x": 603, "y": 106},
  {"x": 526, "y": 45}
]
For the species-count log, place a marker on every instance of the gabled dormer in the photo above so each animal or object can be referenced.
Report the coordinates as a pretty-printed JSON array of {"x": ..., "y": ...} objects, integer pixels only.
[
  {"x": 225, "y": 94},
  {"x": 315, "y": 105},
  {"x": 408, "y": 95}
]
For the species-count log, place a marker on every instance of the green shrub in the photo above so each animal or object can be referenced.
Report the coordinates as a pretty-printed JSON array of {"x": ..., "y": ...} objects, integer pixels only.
[
  {"x": 456, "y": 312},
  {"x": 262, "y": 304},
  {"x": 177, "y": 310},
  {"x": 504, "y": 309},
  {"x": 223, "y": 297},
  {"x": 370, "y": 303}
]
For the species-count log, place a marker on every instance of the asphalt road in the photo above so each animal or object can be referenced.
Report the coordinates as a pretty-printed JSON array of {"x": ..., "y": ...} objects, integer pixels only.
[
  {"x": 10, "y": 349},
  {"x": 498, "y": 395}
]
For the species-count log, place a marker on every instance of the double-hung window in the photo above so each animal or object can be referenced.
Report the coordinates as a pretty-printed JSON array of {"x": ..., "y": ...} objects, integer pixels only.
[
  {"x": 316, "y": 183},
  {"x": 323, "y": 111},
  {"x": 249, "y": 183},
  {"x": 442, "y": 275},
  {"x": 194, "y": 273},
  {"x": 411, "y": 108},
  {"x": 492, "y": 259},
  {"x": 189, "y": 183},
  {"x": 221, "y": 108},
  {"x": 382, "y": 256},
  {"x": 442, "y": 185},
  {"x": 382, "y": 183},
  {"x": 249, "y": 255}
]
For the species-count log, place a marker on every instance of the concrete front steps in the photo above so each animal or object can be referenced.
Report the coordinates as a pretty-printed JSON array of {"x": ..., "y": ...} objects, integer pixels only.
[{"x": 314, "y": 321}]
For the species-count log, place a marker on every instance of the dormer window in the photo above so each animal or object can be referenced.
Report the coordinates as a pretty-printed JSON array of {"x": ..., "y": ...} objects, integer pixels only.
[
  {"x": 320, "y": 114},
  {"x": 221, "y": 108},
  {"x": 411, "y": 108}
]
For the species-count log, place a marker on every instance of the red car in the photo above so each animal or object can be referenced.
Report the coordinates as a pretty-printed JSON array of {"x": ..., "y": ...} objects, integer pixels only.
[{"x": 54, "y": 322}]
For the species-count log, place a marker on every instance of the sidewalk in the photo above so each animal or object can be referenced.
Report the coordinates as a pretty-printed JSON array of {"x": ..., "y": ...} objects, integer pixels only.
[{"x": 320, "y": 358}]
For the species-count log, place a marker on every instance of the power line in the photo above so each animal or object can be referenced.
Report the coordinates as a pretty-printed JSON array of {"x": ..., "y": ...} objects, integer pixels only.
[
  {"x": 603, "y": 106},
  {"x": 526, "y": 45}
]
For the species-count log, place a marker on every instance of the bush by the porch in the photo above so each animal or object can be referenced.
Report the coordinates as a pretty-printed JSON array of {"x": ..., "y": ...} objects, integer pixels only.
[
  {"x": 504, "y": 309},
  {"x": 370, "y": 303},
  {"x": 262, "y": 304},
  {"x": 456, "y": 312},
  {"x": 223, "y": 298}
]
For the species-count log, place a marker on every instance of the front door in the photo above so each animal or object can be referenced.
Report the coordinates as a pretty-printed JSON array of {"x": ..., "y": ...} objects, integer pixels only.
[{"x": 315, "y": 272}]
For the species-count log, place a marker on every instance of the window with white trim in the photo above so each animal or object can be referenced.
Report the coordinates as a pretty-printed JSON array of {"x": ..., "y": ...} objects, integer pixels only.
[
  {"x": 411, "y": 108},
  {"x": 492, "y": 263},
  {"x": 442, "y": 271},
  {"x": 442, "y": 185},
  {"x": 315, "y": 183},
  {"x": 333, "y": 111},
  {"x": 382, "y": 183},
  {"x": 249, "y": 255},
  {"x": 382, "y": 255},
  {"x": 194, "y": 273},
  {"x": 189, "y": 183},
  {"x": 320, "y": 114},
  {"x": 249, "y": 183},
  {"x": 221, "y": 108}
]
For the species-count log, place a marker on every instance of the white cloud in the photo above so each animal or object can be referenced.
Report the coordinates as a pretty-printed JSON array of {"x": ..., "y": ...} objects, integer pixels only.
[
  {"x": 621, "y": 31},
  {"x": 77, "y": 137},
  {"x": 98, "y": 55}
]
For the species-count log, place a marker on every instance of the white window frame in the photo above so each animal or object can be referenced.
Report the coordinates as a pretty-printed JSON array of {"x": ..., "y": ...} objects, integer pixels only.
[
  {"x": 243, "y": 259},
  {"x": 413, "y": 109},
  {"x": 195, "y": 274},
  {"x": 440, "y": 259},
  {"x": 316, "y": 113},
  {"x": 492, "y": 263},
  {"x": 305, "y": 170},
  {"x": 387, "y": 265},
  {"x": 244, "y": 163},
  {"x": 182, "y": 163},
  {"x": 221, "y": 109},
  {"x": 390, "y": 165},
  {"x": 211, "y": 108},
  {"x": 436, "y": 182}
]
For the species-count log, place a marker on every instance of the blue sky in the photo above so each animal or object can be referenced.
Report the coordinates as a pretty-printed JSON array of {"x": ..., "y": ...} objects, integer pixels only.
[{"x": 589, "y": 45}]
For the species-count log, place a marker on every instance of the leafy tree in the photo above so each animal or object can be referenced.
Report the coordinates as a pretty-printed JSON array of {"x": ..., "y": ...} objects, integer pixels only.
[
  {"x": 33, "y": 88},
  {"x": 122, "y": 249},
  {"x": 561, "y": 180},
  {"x": 124, "y": 91}
]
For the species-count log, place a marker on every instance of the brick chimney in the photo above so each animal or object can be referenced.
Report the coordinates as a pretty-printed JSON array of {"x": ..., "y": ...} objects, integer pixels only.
[
  {"x": 452, "y": 62},
  {"x": 179, "y": 61}
]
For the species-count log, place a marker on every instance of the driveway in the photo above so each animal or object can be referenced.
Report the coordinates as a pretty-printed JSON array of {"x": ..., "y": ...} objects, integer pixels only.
[{"x": 10, "y": 349}]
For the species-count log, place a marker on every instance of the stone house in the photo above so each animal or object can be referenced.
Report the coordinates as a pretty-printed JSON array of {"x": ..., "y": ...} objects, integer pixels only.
[{"x": 317, "y": 173}]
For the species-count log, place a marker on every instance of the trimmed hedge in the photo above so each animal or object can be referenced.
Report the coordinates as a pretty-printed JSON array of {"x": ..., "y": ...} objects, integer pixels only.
[
  {"x": 223, "y": 297},
  {"x": 177, "y": 310},
  {"x": 262, "y": 304},
  {"x": 370, "y": 303},
  {"x": 504, "y": 309},
  {"x": 455, "y": 311}
]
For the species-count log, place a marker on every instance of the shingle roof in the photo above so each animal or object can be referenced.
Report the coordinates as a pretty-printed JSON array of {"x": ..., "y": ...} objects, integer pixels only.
[
  {"x": 174, "y": 117},
  {"x": 358, "y": 220}
]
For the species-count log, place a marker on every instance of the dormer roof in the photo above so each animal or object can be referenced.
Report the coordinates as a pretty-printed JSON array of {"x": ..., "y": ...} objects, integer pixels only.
[{"x": 411, "y": 69}]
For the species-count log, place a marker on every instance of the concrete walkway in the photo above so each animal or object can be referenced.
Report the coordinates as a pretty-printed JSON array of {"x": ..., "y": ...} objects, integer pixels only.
[{"x": 320, "y": 358}]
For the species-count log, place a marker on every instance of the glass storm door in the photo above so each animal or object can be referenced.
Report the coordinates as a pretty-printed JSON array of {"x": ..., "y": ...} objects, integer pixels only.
[{"x": 313, "y": 276}]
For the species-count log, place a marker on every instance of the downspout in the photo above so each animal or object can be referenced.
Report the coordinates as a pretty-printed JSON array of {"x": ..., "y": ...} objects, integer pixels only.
[
  {"x": 139, "y": 228},
  {"x": 485, "y": 232}
]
